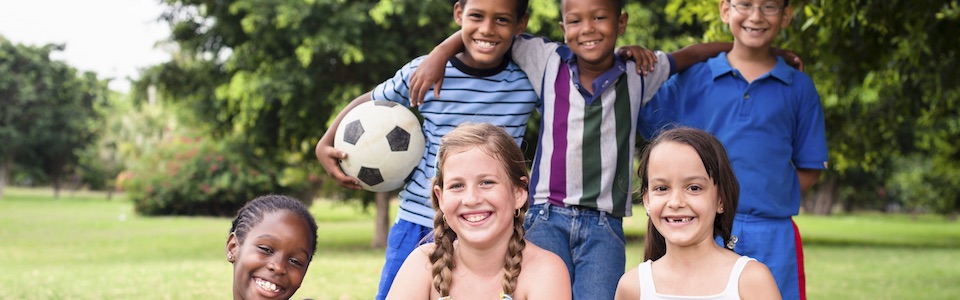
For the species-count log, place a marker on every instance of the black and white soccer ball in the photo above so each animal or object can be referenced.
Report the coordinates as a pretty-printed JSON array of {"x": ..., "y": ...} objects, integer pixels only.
[{"x": 383, "y": 142}]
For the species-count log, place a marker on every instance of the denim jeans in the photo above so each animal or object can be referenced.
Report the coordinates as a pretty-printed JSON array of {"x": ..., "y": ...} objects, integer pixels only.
[
  {"x": 590, "y": 242},
  {"x": 403, "y": 238}
]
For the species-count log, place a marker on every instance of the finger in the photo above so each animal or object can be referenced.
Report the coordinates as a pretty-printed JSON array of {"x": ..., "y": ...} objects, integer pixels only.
[
  {"x": 414, "y": 91},
  {"x": 437, "y": 87}
]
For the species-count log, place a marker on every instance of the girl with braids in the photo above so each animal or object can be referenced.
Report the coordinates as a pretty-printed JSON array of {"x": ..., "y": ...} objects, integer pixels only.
[
  {"x": 271, "y": 244},
  {"x": 480, "y": 197},
  {"x": 690, "y": 193}
]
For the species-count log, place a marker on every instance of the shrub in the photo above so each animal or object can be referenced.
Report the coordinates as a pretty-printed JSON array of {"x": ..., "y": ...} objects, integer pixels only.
[{"x": 199, "y": 176}]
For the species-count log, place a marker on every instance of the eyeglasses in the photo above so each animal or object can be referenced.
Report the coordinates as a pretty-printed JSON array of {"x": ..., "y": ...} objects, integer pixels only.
[{"x": 747, "y": 8}]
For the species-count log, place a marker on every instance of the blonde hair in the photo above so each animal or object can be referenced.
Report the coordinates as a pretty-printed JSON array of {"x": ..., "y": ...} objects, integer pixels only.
[{"x": 496, "y": 142}]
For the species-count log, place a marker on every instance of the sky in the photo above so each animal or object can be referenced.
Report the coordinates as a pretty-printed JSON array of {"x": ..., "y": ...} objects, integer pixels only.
[{"x": 114, "y": 38}]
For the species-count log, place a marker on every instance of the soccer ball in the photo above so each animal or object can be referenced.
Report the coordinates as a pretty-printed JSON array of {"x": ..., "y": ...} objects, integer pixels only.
[{"x": 383, "y": 142}]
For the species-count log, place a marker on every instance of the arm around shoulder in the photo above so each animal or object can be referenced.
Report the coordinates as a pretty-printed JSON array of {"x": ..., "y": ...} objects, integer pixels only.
[
  {"x": 756, "y": 282},
  {"x": 690, "y": 55},
  {"x": 415, "y": 279},
  {"x": 629, "y": 286}
]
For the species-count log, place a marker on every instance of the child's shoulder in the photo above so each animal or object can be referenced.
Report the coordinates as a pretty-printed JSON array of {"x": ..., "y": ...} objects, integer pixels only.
[{"x": 536, "y": 258}]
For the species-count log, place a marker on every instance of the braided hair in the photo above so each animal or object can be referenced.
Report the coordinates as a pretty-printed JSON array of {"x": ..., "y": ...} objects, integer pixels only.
[
  {"x": 252, "y": 213},
  {"x": 496, "y": 142}
]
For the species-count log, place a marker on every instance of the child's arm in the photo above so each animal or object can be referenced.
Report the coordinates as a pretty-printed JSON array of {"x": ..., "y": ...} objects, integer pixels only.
[
  {"x": 629, "y": 286},
  {"x": 756, "y": 282},
  {"x": 690, "y": 55},
  {"x": 431, "y": 70},
  {"x": 644, "y": 58},
  {"x": 329, "y": 156},
  {"x": 414, "y": 279},
  {"x": 808, "y": 177}
]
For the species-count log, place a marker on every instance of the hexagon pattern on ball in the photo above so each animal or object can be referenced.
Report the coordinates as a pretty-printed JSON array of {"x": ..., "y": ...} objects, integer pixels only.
[{"x": 384, "y": 144}]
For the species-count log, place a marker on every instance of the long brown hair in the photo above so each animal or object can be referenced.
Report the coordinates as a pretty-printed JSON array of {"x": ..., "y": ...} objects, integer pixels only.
[
  {"x": 720, "y": 170},
  {"x": 496, "y": 142}
]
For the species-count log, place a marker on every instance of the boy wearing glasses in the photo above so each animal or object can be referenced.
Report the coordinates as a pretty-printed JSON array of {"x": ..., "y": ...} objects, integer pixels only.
[{"x": 769, "y": 118}]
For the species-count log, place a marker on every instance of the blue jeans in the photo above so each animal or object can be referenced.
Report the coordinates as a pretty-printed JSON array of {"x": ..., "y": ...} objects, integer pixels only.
[
  {"x": 403, "y": 238},
  {"x": 590, "y": 242}
]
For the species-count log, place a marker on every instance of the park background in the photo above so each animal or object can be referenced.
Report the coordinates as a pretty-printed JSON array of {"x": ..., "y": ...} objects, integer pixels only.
[{"x": 252, "y": 84}]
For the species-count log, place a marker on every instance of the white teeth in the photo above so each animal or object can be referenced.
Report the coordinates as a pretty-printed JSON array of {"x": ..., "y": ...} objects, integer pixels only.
[
  {"x": 270, "y": 286},
  {"x": 680, "y": 220},
  {"x": 485, "y": 45},
  {"x": 591, "y": 43},
  {"x": 475, "y": 217}
]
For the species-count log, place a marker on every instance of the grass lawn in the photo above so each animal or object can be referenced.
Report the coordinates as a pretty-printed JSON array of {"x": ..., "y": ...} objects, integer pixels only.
[{"x": 82, "y": 246}]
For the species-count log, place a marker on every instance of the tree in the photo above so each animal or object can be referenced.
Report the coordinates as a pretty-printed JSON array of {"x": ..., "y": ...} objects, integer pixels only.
[{"x": 47, "y": 112}]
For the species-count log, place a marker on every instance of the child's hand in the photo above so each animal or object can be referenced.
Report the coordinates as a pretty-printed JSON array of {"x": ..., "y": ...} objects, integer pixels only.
[
  {"x": 644, "y": 58},
  {"x": 428, "y": 73},
  {"x": 790, "y": 57},
  {"x": 329, "y": 158}
]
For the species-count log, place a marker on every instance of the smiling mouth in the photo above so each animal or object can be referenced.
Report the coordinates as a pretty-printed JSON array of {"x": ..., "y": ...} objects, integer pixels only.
[
  {"x": 266, "y": 285},
  {"x": 678, "y": 220},
  {"x": 477, "y": 217},
  {"x": 590, "y": 43},
  {"x": 485, "y": 44},
  {"x": 752, "y": 30}
]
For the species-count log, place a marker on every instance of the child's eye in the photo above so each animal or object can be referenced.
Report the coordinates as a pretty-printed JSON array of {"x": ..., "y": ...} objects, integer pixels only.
[
  {"x": 573, "y": 21},
  {"x": 265, "y": 249},
  {"x": 455, "y": 186},
  {"x": 475, "y": 16},
  {"x": 659, "y": 188},
  {"x": 296, "y": 262},
  {"x": 503, "y": 20},
  {"x": 487, "y": 182},
  {"x": 696, "y": 188}
]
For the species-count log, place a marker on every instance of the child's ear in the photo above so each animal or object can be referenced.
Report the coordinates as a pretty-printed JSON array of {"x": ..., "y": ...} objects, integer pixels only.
[
  {"x": 787, "y": 16},
  {"x": 522, "y": 24},
  {"x": 622, "y": 27},
  {"x": 725, "y": 11},
  {"x": 232, "y": 246},
  {"x": 458, "y": 13},
  {"x": 520, "y": 193}
]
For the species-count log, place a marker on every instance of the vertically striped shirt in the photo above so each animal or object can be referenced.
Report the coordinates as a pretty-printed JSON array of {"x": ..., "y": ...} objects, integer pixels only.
[
  {"x": 585, "y": 153},
  {"x": 500, "y": 96}
]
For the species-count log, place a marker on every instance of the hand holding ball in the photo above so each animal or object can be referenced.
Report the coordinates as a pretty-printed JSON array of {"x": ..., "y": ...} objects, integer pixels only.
[{"x": 383, "y": 142}]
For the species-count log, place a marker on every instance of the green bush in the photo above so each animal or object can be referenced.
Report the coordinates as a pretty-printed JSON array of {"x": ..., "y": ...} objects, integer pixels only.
[{"x": 199, "y": 176}]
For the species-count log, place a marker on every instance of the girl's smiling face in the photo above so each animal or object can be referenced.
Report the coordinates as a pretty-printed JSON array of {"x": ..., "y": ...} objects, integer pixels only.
[
  {"x": 273, "y": 258},
  {"x": 682, "y": 199},
  {"x": 477, "y": 198}
]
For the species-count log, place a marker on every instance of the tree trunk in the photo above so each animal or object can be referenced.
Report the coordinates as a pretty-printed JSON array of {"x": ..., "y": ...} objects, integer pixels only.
[
  {"x": 821, "y": 200},
  {"x": 57, "y": 184},
  {"x": 4, "y": 169},
  {"x": 382, "y": 220}
]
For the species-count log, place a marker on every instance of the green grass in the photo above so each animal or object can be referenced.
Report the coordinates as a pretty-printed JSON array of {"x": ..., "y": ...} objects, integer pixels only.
[{"x": 82, "y": 246}]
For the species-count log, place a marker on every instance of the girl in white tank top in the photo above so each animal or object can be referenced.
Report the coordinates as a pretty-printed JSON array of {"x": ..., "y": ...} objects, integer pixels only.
[{"x": 687, "y": 184}]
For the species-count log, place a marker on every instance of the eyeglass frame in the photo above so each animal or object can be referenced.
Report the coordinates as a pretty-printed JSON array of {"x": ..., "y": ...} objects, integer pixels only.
[{"x": 750, "y": 8}]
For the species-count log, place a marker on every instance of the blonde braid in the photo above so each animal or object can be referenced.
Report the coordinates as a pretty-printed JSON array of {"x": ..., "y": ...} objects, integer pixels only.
[
  {"x": 442, "y": 256},
  {"x": 511, "y": 266}
]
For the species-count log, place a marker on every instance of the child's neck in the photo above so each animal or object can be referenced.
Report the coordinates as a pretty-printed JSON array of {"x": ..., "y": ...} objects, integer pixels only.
[
  {"x": 588, "y": 72},
  {"x": 751, "y": 62},
  {"x": 480, "y": 261}
]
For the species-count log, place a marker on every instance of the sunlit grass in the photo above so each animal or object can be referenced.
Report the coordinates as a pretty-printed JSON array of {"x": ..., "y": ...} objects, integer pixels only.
[{"x": 82, "y": 246}]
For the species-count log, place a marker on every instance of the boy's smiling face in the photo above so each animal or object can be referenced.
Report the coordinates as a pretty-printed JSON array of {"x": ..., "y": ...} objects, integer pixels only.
[
  {"x": 488, "y": 28},
  {"x": 754, "y": 29},
  {"x": 590, "y": 29}
]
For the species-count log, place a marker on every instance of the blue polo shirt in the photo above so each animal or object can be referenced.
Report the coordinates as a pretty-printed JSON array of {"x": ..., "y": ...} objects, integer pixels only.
[{"x": 769, "y": 127}]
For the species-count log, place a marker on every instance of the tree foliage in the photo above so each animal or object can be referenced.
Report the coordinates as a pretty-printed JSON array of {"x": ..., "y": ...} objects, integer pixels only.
[{"x": 48, "y": 113}]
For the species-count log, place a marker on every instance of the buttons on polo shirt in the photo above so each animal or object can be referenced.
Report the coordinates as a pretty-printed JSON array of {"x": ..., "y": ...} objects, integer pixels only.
[{"x": 746, "y": 96}]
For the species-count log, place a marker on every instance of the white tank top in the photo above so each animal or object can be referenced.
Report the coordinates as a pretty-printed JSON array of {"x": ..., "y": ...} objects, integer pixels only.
[{"x": 648, "y": 291}]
